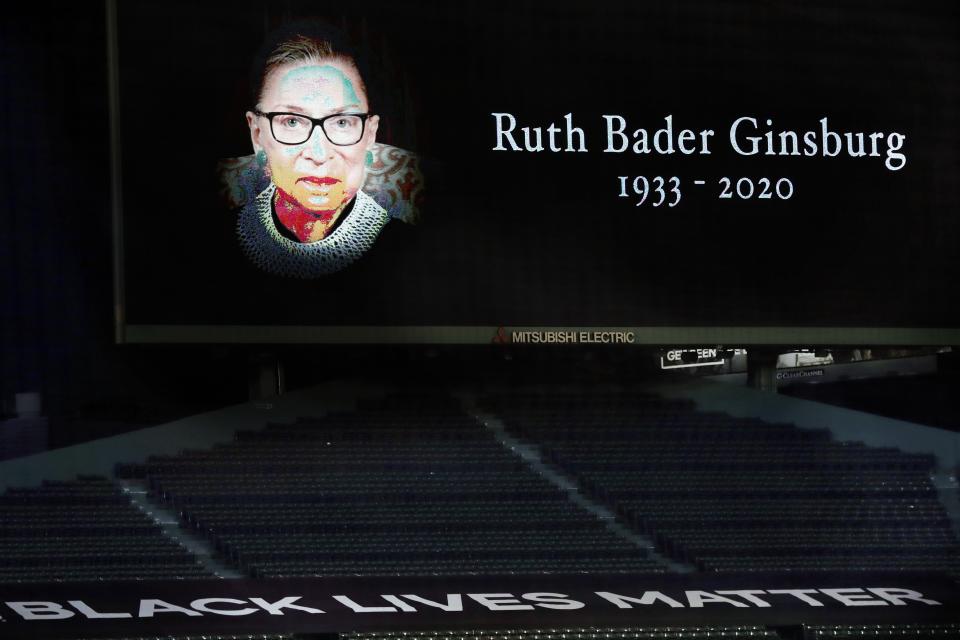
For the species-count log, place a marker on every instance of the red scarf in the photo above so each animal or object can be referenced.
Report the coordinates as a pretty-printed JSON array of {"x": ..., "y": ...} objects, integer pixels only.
[{"x": 299, "y": 220}]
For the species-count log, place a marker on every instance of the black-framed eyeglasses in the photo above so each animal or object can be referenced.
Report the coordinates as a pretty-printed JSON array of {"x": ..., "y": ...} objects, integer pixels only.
[{"x": 341, "y": 129}]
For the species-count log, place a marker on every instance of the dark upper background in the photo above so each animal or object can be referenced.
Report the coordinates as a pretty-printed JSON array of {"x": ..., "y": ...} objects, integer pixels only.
[{"x": 882, "y": 253}]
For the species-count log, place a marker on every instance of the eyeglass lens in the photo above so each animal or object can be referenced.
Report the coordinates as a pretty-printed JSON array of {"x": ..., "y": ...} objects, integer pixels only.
[{"x": 343, "y": 129}]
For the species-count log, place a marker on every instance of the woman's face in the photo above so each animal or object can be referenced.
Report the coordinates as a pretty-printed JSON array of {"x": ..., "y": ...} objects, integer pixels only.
[{"x": 319, "y": 175}]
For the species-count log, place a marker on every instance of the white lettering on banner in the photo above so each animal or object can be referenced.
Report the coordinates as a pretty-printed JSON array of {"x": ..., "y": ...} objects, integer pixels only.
[
  {"x": 359, "y": 608},
  {"x": 203, "y": 605},
  {"x": 275, "y": 608},
  {"x": 454, "y": 601},
  {"x": 553, "y": 601},
  {"x": 84, "y": 610},
  {"x": 854, "y": 597},
  {"x": 149, "y": 608},
  {"x": 648, "y": 597},
  {"x": 750, "y": 595},
  {"x": 500, "y": 601},
  {"x": 400, "y": 604},
  {"x": 698, "y": 598},
  {"x": 896, "y": 596},
  {"x": 40, "y": 610},
  {"x": 800, "y": 594}
]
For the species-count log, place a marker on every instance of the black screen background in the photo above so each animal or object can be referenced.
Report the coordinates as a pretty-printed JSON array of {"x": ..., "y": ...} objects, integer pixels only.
[{"x": 542, "y": 238}]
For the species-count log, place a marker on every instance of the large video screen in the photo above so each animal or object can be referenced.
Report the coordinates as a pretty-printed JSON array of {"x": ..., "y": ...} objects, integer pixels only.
[{"x": 726, "y": 171}]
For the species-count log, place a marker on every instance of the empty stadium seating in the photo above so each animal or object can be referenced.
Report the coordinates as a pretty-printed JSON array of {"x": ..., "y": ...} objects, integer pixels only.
[
  {"x": 588, "y": 633},
  {"x": 892, "y": 631},
  {"x": 410, "y": 486},
  {"x": 739, "y": 494},
  {"x": 84, "y": 530},
  {"x": 214, "y": 637}
]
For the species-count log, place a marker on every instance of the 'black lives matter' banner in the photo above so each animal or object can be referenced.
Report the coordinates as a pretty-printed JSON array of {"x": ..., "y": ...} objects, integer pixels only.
[{"x": 93, "y": 610}]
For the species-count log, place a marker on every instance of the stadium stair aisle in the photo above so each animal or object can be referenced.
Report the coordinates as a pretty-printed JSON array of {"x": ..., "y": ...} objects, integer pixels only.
[
  {"x": 947, "y": 484},
  {"x": 408, "y": 485},
  {"x": 531, "y": 453},
  {"x": 85, "y": 530},
  {"x": 739, "y": 494},
  {"x": 169, "y": 524}
]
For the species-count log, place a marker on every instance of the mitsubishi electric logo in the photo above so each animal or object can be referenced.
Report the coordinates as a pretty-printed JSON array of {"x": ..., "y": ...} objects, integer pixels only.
[{"x": 564, "y": 336}]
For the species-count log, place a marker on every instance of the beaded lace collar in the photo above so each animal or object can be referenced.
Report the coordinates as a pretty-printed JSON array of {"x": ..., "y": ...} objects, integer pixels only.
[{"x": 271, "y": 251}]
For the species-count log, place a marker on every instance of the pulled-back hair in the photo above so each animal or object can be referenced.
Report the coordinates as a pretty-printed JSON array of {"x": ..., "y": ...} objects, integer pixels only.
[{"x": 304, "y": 41}]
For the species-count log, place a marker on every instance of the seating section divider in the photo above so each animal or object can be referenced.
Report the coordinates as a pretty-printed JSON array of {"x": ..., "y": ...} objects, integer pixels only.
[
  {"x": 735, "y": 494},
  {"x": 85, "y": 530},
  {"x": 407, "y": 486}
]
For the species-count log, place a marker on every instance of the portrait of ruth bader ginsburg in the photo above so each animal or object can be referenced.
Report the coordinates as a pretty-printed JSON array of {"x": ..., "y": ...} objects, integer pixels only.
[{"x": 318, "y": 189}]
